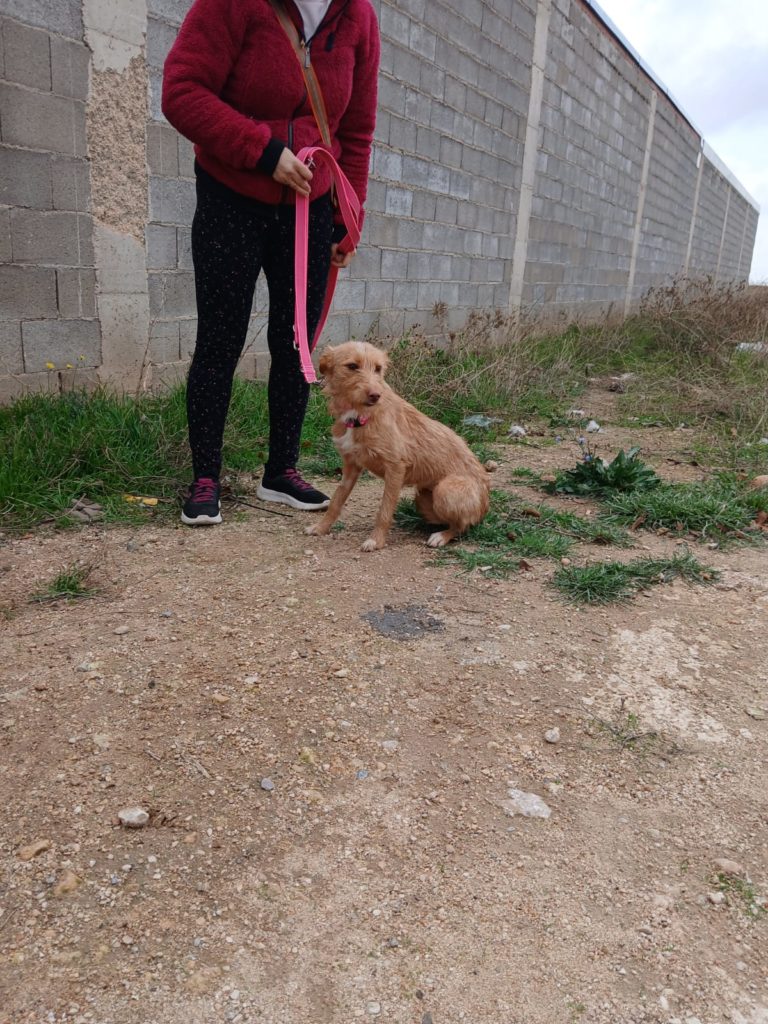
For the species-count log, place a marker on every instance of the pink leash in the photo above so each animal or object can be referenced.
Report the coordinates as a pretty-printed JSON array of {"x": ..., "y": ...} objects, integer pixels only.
[{"x": 350, "y": 212}]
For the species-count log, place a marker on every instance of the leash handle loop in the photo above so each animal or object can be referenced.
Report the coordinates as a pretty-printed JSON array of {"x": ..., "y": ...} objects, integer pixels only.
[{"x": 349, "y": 206}]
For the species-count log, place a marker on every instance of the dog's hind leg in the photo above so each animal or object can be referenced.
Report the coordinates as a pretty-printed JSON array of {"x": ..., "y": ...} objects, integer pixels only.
[
  {"x": 425, "y": 507},
  {"x": 350, "y": 474},
  {"x": 458, "y": 501}
]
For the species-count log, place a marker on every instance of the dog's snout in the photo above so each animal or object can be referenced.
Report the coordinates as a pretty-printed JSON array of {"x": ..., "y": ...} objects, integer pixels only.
[{"x": 374, "y": 396}]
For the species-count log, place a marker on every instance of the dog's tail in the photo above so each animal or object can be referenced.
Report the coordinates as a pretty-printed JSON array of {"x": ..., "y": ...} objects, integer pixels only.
[{"x": 457, "y": 501}]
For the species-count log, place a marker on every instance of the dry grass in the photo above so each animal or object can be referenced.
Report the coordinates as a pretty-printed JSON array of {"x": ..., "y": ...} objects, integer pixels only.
[
  {"x": 687, "y": 362},
  {"x": 704, "y": 320},
  {"x": 680, "y": 347}
]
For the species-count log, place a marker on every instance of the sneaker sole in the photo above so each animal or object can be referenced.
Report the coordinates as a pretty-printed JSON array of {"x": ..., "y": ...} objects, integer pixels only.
[
  {"x": 201, "y": 520},
  {"x": 285, "y": 499}
]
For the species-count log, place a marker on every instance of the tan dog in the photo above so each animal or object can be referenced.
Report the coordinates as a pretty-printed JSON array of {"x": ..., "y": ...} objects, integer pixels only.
[{"x": 377, "y": 430}]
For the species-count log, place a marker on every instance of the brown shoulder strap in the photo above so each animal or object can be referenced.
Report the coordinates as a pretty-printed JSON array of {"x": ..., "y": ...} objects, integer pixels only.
[{"x": 314, "y": 91}]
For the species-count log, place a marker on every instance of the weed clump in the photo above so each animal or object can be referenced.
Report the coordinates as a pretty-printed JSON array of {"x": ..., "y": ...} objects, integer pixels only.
[
  {"x": 69, "y": 584},
  {"x": 512, "y": 531},
  {"x": 597, "y": 477},
  {"x": 603, "y": 582},
  {"x": 721, "y": 508}
]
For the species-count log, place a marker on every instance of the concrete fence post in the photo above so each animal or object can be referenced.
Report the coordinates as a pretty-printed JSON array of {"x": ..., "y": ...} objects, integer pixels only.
[
  {"x": 722, "y": 235},
  {"x": 530, "y": 153},
  {"x": 694, "y": 212},
  {"x": 641, "y": 203},
  {"x": 117, "y": 146}
]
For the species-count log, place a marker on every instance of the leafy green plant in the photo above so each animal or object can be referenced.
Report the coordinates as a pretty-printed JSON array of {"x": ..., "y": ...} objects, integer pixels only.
[
  {"x": 627, "y": 732},
  {"x": 595, "y": 476}
]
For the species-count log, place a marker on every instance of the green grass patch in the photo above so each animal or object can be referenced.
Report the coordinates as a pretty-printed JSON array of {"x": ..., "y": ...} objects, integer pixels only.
[
  {"x": 513, "y": 530},
  {"x": 719, "y": 508},
  {"x": 605, "y": 582},
  {"x": 56, "y": 449},
  {"x": 494, "y": 564},
  {"x": 680, "y": 348},
  {"x": 525, "y": 475},
  {"x": 70, "y": 583}
]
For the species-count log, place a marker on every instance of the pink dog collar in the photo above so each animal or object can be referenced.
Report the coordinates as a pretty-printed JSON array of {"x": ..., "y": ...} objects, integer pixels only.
[{"x": 358, "y": 421}]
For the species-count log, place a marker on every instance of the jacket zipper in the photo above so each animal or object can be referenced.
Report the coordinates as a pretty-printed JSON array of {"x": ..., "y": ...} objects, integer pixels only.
[
  {"x": 335, "y": 17},
  {"x": 305, "y": 45}
]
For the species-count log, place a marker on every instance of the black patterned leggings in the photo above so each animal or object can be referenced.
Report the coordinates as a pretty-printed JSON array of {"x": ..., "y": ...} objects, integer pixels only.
[{"x": 233, "y": 237}]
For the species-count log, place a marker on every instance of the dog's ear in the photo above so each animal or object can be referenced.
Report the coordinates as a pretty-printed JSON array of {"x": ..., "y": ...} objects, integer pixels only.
[
  {"x": 384, "y": 361},
  {"x": 327, "y": 362}
]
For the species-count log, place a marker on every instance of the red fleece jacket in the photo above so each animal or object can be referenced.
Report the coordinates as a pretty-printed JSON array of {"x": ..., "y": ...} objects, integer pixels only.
[{"x": 233, "y": 86}]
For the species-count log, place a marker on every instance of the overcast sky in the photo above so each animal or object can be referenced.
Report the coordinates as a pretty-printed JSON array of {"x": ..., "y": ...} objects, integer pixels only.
[{"x": 712, "y": 56}]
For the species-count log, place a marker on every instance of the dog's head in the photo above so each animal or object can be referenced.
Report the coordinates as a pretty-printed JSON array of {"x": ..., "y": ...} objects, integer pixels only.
[{"x": 354, "y": 373}]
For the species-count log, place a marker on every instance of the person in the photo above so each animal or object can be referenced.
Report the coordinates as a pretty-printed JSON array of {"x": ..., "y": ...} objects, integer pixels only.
[{"x": 233, "y": 85}]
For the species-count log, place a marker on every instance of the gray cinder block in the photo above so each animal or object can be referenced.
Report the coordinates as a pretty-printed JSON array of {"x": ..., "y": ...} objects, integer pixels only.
[
  {"x": 77, "y": 342},
  {"x": 25, "y": 179},
  {"x": 42, "y": 121},
  {"x": 27, "y": 53},
  {"x": 27, "y": 292},
  {"x": 70, "y": 65},
  {"x": 11, "y": 358}
]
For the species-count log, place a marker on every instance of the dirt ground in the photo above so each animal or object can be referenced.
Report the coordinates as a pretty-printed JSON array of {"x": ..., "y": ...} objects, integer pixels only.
[{"x": 329, "y": 836}]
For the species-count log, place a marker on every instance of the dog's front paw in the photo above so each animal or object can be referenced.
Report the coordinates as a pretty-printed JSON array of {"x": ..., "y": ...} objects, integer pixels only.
[
  {"x": 371, "y": 544},
  {"x": 316, "y": 530},
  {"x": 437, "y": 540}
]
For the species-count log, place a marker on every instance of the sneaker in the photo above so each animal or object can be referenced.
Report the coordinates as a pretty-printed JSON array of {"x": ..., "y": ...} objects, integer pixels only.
[
  {"x": 202, "y": 506},
  {"x": 291, "y": 489}
]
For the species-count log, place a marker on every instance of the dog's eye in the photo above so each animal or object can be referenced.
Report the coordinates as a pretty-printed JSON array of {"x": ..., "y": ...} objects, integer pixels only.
[
  {"x": 352, "y": 366},
  {"x": 378, "y": 369}
]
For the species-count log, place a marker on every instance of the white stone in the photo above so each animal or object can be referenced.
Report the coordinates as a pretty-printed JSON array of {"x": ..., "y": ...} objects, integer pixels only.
[
  {"x": 729, "y": 867},
  {"x": 390, "y": 746},
  {"x": 552, "y": 735},
  {"x": 133, "y": 817},
  {"x": 527, "y": 804}
]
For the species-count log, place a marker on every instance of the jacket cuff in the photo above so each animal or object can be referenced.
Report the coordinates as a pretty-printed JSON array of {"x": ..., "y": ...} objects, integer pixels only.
[
  {"x": 339, "y": 232},
  {"x": 268, "y": 160}
]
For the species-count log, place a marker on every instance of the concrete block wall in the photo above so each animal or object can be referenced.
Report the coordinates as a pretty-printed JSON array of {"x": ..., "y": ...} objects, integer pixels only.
[
  {"x": 747, "y": 242},
  {"x": 47, "y": 275},
  {"x": 525, "y": 160},
  {"x": 446, "y": 166},
  {"x": 592, "y": 138},
  {"x": 710, "y": 218},
  {"x": 668, "y": 207}
]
